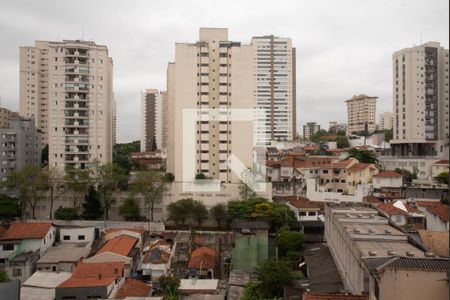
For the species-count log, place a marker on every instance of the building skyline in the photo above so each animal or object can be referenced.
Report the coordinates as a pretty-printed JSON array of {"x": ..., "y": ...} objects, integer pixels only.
[
  {"x": 386, "y": 121},
  {"x": 361, "y": 113},
  {"x": 310, "y": 129},
  {"x": 420, "y": 100},
  {"x": 153, "y": 120},
  {"x": 66, "y": 87}
]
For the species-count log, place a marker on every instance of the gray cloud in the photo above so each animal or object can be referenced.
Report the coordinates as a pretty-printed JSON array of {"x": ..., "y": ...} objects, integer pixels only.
[{"x": 343, "y": 47}]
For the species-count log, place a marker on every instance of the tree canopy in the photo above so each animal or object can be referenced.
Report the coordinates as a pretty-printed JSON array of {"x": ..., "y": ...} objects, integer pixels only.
[
  {"x": 364, "y": 156},
  {"x": 9, "y": 207},
  {"x": 66, "y": 213},
  {"x": 122, "y": 155},
  {"x": 185, "y": 209},
  {"x": 92, "y": 207},
  {"x": 130, "y": 209},
  {"x": 273, "y": 275}
]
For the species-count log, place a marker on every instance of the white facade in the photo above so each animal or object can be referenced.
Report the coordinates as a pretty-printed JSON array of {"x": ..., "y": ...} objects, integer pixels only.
[
  {"x": 275, "y": 89},
  {"x": 384, "y": 182},
  {"x": 435, "y": 223},
  {"x": 361, "y": 113},
  {"x": 386, "y": 121},
  {"x": 67, "y": 88},
  {"x": 77, "y": 235}
]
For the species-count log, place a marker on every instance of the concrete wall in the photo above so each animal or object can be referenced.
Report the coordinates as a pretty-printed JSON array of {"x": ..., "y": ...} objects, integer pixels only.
[
  {"x": 73, "y": 233},
  {"x": 379, "y": 183},
  {"x": 434, "y": 223},
  {"x": 314, "y": 194}
]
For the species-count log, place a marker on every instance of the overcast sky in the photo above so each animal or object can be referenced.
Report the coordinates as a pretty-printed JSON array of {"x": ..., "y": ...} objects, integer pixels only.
[{"x": 343, "y": 47}]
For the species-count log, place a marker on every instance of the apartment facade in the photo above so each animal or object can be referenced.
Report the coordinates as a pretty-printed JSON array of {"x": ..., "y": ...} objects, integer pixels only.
[
  {"x": 66, "y": 87},
  {"x": 275, "y": 70},
  {"x": 361, "y": 113},
  {"x": 210, "y": 100},
  {"x": 386, "y": 121},
  {"x": 5, "y": 115},
  {"x": 20, "y": 145},
  {"x": 420, "y": 89},
  {"x": 153, "y": 120},
  {"x": 310, "y": 129}
]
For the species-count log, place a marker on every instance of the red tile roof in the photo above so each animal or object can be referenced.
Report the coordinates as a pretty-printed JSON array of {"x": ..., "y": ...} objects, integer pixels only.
[
  {"x": 301, "y": 202},
  {"x": 343, "y": 164},
  {"x": 388, "y": 174},
  {"x": 94, "y": 274},
  {"x": 441, "y": 162},
  {"x": 2, "y": 231},
  {"x": 304, "y": 162},
  {"x": 311, "y": 148},
  {"x": 439, "y": 210},
  {"x": 358, "y": 167},
  {"x": 134, "y": 288},
  {"x": 390, "y": 209},
  {"x": 121, "y": 245},
  {"x": 426, "y": 203},
  {"x": 202, "y": 258},
  {"x": 372, "y": 199},
  {"x": 19, "y": 231},
  {"x": 323, "y": 296}
]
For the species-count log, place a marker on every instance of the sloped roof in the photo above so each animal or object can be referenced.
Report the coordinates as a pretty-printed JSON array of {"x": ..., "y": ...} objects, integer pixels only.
[
  {"x": 389, "y": 174},
  {"x": 435, "y": 241},
  {"x": 20, "y": 231},
  {"x": 372, "y": 199},
  {"x": 390, "y": 209},
  {"x": 324, "y": 296},
  {"x": 343, "y": 164},
  {"x": 358, "y": 167},
  {"x": 304, "y": 162},
  {"x": 156, "y": 255},
  {"x": 2, "y": 231},
  {"x": 377, "y": 264},
  {"x": 440, "y": 210},
  {"x": 441, "y": 162},
  {"x": 122, "y": 245},
  {"x": 426, "y": 203},
  {"x": 302, "y": 202},
  {"x": 94, "y": 274},
  {"x": 202, "y": 258},
  {"x": 134, "y": 288}
]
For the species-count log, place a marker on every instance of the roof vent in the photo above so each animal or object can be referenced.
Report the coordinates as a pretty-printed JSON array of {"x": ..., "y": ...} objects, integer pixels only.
[
  {"x": 373, "y": 253},
  {"x": 410, "y": 253},
  {"x": 392, "y": 253},
  {"x": 388, "y": 231},
  {"x": 429, "y": 254}
]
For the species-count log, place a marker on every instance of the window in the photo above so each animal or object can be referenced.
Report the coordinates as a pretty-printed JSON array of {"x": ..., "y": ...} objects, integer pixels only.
[
  {"x": 8, "y": 247},
  {"x": 311, "y": 213},
  {"x": 302, "y": 213},
  {"x": 17, "y": 272},
  {"x": 66, "y": 237}
]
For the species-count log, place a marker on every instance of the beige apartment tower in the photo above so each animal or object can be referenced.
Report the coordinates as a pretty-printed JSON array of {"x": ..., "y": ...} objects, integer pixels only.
[
  {"x": 420, "y": 92},
  {"x": 361, "y": 113},
  {"x": 153, "y": 120},
  {"x": 207, "y": 84},
  {"x": 386, "y": 121},
  {"x": 66, "y": 87}
]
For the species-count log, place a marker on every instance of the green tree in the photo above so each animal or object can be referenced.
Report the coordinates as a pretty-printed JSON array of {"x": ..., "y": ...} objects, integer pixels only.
[
  {"x": 342, "y": 142},
  {"x": 407, "y": 175},
  {"x": 253, "y": 292},
  {"x": 77, "y": 181},
  {"x": 273, "y": 275},
  {"x": 243, "y": 209},
  {"x": 388, "y": 135},
  {"x": 200, "y": 176},
  {"x": 107, "y": 178},
  {"x": 151, "y": 185},
  {"x": 122, "y": 155},
  {"x": 289, "y": 241},
  {"x": 56, "y": 186},
  {"x": 92, "y": 207},
  {"x": 44, "y": 156},
  {"x": 219, "y": 213},
  {"x": 31, "y": 184},
  {"x": 9, "y": 207},
  {"x": 169, "y": 177},
  {"x": 4, "y": 276},
  {"x": 364, "y": 156},
  {"x": 442, "y": 177},
  {"x": 66, "y": 213},
  {"x": 180, "y": 210},
  {"x": 277, "y": 214},
  {"x": 130, "y": 209},
  {"x": 169, "y": 285},
  {"x": 318, "y": 136},
  {"x": 199, "y": 212}
]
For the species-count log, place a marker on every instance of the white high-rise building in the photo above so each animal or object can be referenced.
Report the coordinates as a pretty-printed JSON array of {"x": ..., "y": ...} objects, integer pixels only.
[
  {"x": 275, "y": 92},
  {"x": 420, "y": 100},
  {"x": 386, "y": 121},
  {"x": 361, "y": 113},
  {"x": 66, "y": 87},
  {"x": 153, "y": 120},
  {"x": 208, "y": 81}
]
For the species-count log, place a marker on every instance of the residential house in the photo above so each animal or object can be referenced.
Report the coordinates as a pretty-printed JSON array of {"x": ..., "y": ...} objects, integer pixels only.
[
  {"x": 193, "y": 288},
  {"x": 92, "y": 281},
  {"x": 202, "y": 263},
  {"x": 406, "y": 277},
  {"x": 437, "y": 217},
  {"x": 403, "y": 215},
  {"x": 387, "y": 179},
  {"x": 138, "y": 233},
  {"x": 63, "y": 257},
  {"x": 134, "y": 288},
  {"x": 360, "y": 173},
  {"x": 423, "y": 205},
  {"x": 303, "y": 208},
  {"x": 439, "y": 167},
  {"x": 21, "y": 246},
  {"x": 156, "y": 259},
  {"x": 435, "y": 242},
  {"x": 42, "y": 285},
  {"x": 77, "y": 234},
  {"x": 119, "y": 249}
]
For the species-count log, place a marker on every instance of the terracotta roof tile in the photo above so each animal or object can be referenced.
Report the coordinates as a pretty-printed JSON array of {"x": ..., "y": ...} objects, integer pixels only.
[
  {"x": 343, "y": 164},
  {"x": 439, "y": 210},
  {"x": 323, "y": 296},
  {"x": 302, "y": 202},
  {"x": 425, "y": 203},
  {"x": 2, "y": 231},
  {"x": 94, "y": 274},
  {"x": 372, "y": 199},
  {"x": 358, "y": 167},
  {"x": 442, "y": 162},
  {"x": 19, "y": 231},
  {"x": 202, "y": 258},
  {"x": 121, "y": 245},
  {"x": 390, "y": 209},
  {"x": 389, "y": 174},
  {"x": 134, "y": 288},
  {"x": 435, "y": 241}
]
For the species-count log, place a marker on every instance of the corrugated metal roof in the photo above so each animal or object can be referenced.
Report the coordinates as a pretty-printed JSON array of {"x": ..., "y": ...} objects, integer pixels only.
[{"x": 376, "y": 264}]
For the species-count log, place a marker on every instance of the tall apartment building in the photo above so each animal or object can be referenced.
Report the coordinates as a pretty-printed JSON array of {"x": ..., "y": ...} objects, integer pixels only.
[
  {"x": 20, "y": 145},
  {"x": 66, "y": 87},
  {"x": 114, "y": 120},
  {"x": 386, "y": 121},
  {"x": 275, "y": 68},
  {"x": 420, "y": 89},
  {"x": 334, "y": 126},
  {"x": 153, "y": 120},
  {"x": 310, "y": 129},
  {"x": 5, "y": 115},
  {"x": 361, "y": 113},
  {"x": 208, "y": 81}
]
